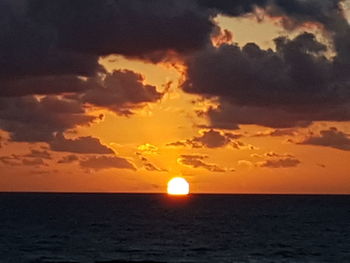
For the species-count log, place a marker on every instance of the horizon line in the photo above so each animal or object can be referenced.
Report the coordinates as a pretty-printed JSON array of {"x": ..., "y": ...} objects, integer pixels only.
[{"x": 164, "y": 193}]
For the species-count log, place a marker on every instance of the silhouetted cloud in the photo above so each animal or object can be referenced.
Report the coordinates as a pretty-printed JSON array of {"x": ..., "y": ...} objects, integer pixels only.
[
  {"x": 53, "y": 47},
  {"x": 68, "y": 159},
  {"x": 148, "y": 165},
  {"x": 279, "y": 163},
  {"x": 33, "y": 119},
  {"x": 39, "y": 41},
  {"x": 11, "y": 160},
  {"x": 19, "y": 160},
  {"x": 198, "y": 161},
  {"x": 121, "y": 91},
  {"x": 38, "y": 154},
  {"x": 33, "y": 162},
  {"x": 106, "y": 162},
  {"x": 330, "y": 138},
  {"x": 275, "y": 160},
  {"x": 85, "y": 144},
  {"x": 211, "y": 139},
  {"x": 278, "y": 89}
]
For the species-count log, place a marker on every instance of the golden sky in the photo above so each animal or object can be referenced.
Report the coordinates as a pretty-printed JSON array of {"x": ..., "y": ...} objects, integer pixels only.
[{"x": 172, "y": 135}]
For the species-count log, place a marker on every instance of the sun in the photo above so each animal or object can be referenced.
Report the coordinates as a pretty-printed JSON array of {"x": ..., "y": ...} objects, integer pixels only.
[{"x": 178, "y": 186}]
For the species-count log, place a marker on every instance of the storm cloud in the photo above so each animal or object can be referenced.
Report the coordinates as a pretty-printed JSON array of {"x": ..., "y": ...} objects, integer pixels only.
[
  {"x": 282, "y": 88},
  {"x": 53, "y": 47}
]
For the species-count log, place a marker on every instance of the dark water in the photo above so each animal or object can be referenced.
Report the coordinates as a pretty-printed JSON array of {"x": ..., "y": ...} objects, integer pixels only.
[{"x": 158, "y": 228}]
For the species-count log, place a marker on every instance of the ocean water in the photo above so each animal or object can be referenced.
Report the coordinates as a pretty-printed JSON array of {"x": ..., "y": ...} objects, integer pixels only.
[{"x": 158, "y": 228}]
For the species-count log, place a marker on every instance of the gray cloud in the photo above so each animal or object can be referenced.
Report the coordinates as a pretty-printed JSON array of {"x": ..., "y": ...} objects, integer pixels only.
[
  {"x": 148, "y": 165},
  {"x": 330, "y": 138},
  {"x": 278, "y": 89},
  {"x": 198, "y": 161},
  {"x": 275, "y": 160},
  {"x": 32, "y": 119},
  {"x": 106, "y": 162},
  {"x": 68, "y": 159},
  {"x": 38, "y": 154},
  {"x": 33, "y": 162},
  {"x": 211, "y": 139},
  {"x": 121, "y": 91},
  {"x": 85, "y": 144}
]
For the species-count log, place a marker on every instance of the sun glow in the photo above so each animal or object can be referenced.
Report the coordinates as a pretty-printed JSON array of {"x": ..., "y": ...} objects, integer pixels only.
[{"x": 178, "y": 186}]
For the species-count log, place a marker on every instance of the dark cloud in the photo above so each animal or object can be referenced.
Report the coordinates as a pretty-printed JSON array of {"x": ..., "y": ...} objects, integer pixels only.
[
  {"x": 281, "y": 88},
  {"x": 11, "y": 160},
  {"x": 19, "y": 160},
  {"x": 106, "y": 162},
  {"x": 198, "y": 161},
  {"x": 280, "y": 163},
  {"x": 121, "y": 91},
  {"x": 330, "y": 138},
  {"x": 292, "y": 12},
  {"x": 211, "y": 139},
  {"x": 275, "y": 160},
  {"x": 35, "y": 40},
  {"x": 32, "y": 119},
  {"x": 68, "y": 159},
  {"x": 38, "y": 154},
  {"x": 148, "y": 165},
  {"x": 33, "y": 162},
  {"x": 46, "y": 47},
  {"x": 132, "y": 28},
  {"x": 14, "y": 87},
  {"x": 233, "y": 8},
  {"x": 85, "y": 144}
]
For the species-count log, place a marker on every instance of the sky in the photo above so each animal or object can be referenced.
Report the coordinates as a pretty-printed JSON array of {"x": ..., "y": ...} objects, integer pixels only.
[{"x": 245, "y": 96}]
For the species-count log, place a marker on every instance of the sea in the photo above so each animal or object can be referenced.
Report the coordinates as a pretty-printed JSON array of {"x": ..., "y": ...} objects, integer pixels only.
[{"x": 154, "y": 228}]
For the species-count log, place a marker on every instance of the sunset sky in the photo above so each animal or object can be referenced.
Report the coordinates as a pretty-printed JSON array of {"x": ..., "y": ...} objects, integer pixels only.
[{"x": 246, "y": 96}]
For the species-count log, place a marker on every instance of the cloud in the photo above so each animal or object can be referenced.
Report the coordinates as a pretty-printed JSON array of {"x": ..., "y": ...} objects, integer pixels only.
[
  {"x": 29, "y": 85},
  {"x": 276, "y": 133},
  {"x": 33, "y": 119},
  {"x": 211, "y": 139},
  {"x": 278, "y": 89},
  {"x": 147, "y": 148},
  {"x": 148, "y": 165},
  {"x": 121, "y": 91},
  {"x": 85, "y": 144},
  {"x": 198, "y": 161},
  {"x": 99, "y": 28},
  {"x": 33, "y": 162},
  {"x": 47, "y": 55},
  {"x": 11, "y": 160},
  {"x": 279, "y": 163},
  {"x": 19, "y": 160},
  {"x": 330, "y": 138},
  {"x": 68, "y": 159},
  {"x": 98, "y": 163},
  {"x": 275, "y": 160},
  {"x": 38, "y": 154}
]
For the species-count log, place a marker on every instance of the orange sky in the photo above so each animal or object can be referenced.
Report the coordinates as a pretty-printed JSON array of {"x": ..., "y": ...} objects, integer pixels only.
[{"x": 250, "y": 161}]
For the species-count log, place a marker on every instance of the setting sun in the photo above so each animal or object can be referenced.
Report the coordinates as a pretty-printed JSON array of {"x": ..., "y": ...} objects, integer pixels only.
[{"x": 178, "y": 186}]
